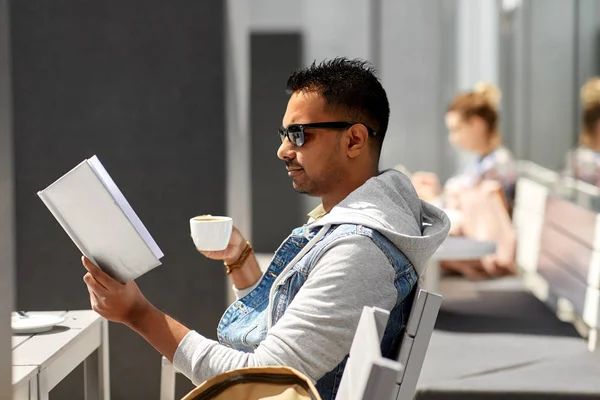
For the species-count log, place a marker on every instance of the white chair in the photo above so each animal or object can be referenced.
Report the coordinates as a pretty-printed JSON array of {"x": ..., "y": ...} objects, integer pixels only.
[
  {"x": 368, "y": 375},
  {"x": 167, "y": 380},
  {"x": 416, "y": 341}
]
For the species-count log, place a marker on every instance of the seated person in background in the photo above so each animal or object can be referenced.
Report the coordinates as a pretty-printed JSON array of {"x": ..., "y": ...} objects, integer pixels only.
[
  {"x": 366, "y": 245},
  {"x": 583, "y": 163},
  {"x": 472, "y": 121}
]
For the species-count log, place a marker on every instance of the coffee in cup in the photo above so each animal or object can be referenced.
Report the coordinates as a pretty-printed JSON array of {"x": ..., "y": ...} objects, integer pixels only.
[{"x": 211, "y": 233}]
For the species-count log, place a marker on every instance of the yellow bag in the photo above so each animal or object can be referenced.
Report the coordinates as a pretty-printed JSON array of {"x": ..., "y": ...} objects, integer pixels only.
[{"x": 263, "y": 383}]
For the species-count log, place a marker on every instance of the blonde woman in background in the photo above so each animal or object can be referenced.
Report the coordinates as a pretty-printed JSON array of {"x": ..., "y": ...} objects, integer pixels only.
[
  {"x": 583, "y": 163},
  {"x": 472, "y": 120}
]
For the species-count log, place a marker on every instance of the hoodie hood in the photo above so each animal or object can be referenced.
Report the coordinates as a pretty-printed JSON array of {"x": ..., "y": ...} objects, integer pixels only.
[{"x": 389, "y": 204}]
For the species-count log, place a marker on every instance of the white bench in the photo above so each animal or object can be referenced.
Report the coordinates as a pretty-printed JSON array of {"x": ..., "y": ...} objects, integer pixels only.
[{"x": 558, "y": 247}]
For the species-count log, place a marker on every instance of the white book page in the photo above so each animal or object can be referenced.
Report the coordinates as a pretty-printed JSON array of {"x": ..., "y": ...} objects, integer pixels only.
[{"x": 111, "y": 186}]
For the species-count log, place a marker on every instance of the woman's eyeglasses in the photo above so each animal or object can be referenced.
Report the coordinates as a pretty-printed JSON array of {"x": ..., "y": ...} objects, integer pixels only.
[{"x": 295, "y": 132}]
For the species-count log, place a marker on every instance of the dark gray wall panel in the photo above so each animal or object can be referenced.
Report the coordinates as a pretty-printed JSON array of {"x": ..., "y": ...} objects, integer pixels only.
[
  {"x": 276, "y": 207},
  {"x": 7, "y": 220},
  {"x": 140, "y": 84}
]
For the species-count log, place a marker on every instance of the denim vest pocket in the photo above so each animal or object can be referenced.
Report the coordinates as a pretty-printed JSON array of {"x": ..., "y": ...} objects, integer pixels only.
[
  {"x": 245, "y": 330},
  {"x": 238, "y": 326},
  {"x": 245, "y": 337},
  {"x": 256, "y": 333},
  {"x": 286, "y": 290}
]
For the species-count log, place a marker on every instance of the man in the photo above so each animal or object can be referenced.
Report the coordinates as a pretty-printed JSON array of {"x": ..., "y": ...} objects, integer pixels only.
[{"x": 366, "y": 245}]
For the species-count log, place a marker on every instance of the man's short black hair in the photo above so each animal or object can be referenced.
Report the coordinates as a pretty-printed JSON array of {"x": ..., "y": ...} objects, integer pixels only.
[{"x": 350, "y": 86}]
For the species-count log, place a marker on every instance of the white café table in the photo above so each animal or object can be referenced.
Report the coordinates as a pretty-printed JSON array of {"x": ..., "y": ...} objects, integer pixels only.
[
  {"x": 455, "y": 248},
  {"x": 40, "y": 361},
  {"x": 24, "y": 381}
]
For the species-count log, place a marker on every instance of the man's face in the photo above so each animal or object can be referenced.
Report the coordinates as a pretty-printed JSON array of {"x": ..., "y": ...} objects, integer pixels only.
[{"x": 319, "y": 165}]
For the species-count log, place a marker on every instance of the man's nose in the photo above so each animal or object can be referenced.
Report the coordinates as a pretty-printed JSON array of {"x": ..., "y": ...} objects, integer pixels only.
[{"x": 286, "y": 150}]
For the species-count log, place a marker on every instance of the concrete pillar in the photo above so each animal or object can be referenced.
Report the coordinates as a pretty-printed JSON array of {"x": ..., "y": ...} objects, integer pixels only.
[
  {"x": 477, "y": 42},
  {"x": 237, "y": 95}
]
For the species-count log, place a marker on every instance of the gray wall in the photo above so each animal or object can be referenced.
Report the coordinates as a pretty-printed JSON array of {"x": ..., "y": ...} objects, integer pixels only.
[
  {"x": 276, "y": 207},
  {"x": 337, "y": 28},
  {"x": 540, "y": 76},
  {"x": 418, "y": 71},
  {"x": 140, "y": 84},
  {"x": 7, "y": 237},
  {"x": 553, "y": 96},
  {"x": 275, "y": 15}
]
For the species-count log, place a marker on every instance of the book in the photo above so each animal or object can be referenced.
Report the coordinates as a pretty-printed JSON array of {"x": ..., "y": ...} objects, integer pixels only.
[{"x": 91, "y": 209}]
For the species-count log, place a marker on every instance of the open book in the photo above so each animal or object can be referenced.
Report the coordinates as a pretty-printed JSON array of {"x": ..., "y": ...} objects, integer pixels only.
[{"x": 92, "y": 210}]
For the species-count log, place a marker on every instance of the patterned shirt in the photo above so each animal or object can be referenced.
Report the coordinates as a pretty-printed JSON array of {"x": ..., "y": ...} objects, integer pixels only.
[
  {"x": 500, "y": 165},
  {"x": 583, "y": 163}
]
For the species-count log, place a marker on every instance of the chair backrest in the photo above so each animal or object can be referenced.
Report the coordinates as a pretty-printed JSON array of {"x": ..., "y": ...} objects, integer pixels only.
[
  {"x": 368, "y": 375},
  {"x": 528, "y": 220},
  {"x": 416, "y": 341}
]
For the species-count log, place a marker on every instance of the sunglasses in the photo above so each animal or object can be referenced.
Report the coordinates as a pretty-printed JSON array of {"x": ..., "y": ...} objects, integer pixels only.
[{"x": 295, "y": 132}]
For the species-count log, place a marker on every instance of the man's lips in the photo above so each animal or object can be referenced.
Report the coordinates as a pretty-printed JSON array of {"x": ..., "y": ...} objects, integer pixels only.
[{"x": 294, "y": 171}]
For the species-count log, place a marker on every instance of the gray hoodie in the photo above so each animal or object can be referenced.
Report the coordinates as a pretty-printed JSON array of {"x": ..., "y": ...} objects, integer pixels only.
[{"x": 387, "y": 203}]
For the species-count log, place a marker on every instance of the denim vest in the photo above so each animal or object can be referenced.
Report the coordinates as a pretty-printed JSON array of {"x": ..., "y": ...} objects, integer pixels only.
[{"x": 245, "y": 323}]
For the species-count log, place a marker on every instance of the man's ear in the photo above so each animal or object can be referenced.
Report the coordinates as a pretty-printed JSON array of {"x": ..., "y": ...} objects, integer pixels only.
[{"x": 357, "y": 140}]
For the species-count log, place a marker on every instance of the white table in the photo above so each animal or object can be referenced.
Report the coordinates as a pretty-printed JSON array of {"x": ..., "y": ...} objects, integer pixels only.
[
  {"x": 455, "y": 248},
  {"x": 24, "y": 381},
  {"x": 42, "y": 360}
]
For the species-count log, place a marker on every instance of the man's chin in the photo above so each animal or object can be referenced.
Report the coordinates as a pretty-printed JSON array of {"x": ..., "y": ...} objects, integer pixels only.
[{"x": 300, "y": 188}]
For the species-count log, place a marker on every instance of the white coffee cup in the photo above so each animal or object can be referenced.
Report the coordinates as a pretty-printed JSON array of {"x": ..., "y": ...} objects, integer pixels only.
[{"x": 211, "y": 233}]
